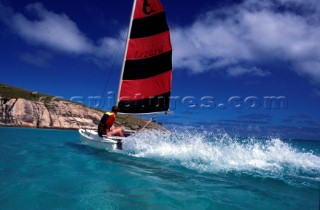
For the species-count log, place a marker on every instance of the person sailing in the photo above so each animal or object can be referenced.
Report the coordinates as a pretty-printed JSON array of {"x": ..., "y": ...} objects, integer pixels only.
[{"x": 106, "y": 126}]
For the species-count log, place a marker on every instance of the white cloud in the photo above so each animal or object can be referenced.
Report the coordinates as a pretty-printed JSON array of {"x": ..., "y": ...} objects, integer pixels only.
[
  {"x": 207, "y": 45},
  {"x": 309, "y": 68},
  {"x": 240, "y": 71},
  {"x": 38, "y": 58},
  {"x": 253, "y": 33},
  {"x": 55, "y": 31}
]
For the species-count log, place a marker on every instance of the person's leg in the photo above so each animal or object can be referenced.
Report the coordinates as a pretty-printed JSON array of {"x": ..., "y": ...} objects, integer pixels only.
[
  {"x": 110, "y": 133},
  {"x": 116, "y": 131}
]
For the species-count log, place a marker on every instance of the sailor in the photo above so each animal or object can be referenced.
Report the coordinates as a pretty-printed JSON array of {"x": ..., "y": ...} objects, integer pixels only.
[{"x": 106, "y": 126}]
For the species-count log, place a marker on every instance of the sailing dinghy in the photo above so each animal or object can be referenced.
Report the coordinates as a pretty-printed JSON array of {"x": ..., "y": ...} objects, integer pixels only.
[{"x": 145, "y": 82}]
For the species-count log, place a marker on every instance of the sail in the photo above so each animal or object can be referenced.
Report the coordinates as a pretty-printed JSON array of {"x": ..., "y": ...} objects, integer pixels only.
[{"x": 145, "y": 84}]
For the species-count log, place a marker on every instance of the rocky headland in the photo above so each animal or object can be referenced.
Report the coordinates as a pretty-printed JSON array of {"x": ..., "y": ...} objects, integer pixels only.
[{"x": 23, "y": 108}]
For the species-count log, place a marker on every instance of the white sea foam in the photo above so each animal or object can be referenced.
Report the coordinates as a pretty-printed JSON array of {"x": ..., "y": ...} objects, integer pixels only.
[{"x": 217, "y": 152}]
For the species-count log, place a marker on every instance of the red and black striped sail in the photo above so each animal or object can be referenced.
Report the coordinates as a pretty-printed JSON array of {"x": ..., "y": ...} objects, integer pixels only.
[{"x": 145, "y": 85}]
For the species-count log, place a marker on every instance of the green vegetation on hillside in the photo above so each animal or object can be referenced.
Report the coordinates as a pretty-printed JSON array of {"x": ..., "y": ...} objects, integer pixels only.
[{"x": 9, "y": 92}]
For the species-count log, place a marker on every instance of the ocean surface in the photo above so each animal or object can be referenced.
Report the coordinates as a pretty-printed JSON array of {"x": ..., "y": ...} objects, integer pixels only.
[{"x": 51, "y": 169}]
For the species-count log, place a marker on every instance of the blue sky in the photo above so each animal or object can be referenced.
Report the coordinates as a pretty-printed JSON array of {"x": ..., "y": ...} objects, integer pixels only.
[{"x": 229, "y": 58}]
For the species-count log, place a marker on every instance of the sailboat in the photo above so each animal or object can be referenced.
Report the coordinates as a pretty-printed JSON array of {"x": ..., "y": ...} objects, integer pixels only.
[{"x": 146, "y": 74}]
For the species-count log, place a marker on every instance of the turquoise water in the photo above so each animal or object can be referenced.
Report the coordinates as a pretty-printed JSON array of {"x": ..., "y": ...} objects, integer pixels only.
[{"x": 51, "y": 169}]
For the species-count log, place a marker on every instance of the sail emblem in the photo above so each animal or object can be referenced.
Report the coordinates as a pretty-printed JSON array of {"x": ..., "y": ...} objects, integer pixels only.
[{"x": 145, "y": 9}]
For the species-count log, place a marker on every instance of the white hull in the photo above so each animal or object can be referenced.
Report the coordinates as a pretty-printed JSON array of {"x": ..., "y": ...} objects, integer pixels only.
[{"x": 91, "y": 138}]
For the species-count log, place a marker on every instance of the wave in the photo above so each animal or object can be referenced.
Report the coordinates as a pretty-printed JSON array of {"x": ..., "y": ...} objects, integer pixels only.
[{"x": 218, "y": 152}]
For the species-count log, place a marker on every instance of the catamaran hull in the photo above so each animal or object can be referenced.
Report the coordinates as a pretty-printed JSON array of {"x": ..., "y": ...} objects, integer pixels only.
[{"x": 91, "y": 138}]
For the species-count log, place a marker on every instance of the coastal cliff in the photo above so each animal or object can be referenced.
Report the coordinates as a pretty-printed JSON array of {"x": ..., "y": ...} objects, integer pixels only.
[{"x": 22, "y": 108}]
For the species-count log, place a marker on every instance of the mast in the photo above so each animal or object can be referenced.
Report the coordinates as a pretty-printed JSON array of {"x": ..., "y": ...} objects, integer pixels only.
[{"x": 125, "y": 52}]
